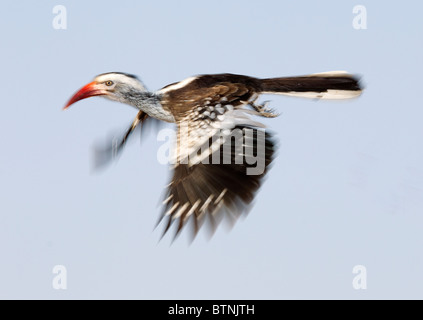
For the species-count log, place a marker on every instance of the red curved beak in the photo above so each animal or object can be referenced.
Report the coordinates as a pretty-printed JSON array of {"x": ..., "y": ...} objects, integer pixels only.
[{"x": 89, "y": 90}]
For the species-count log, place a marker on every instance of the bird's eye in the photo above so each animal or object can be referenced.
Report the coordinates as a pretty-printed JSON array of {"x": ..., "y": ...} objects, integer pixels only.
[{"x": 109, "y": 83}]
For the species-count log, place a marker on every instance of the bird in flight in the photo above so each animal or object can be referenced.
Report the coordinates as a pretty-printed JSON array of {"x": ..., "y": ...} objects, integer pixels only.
[{"x": 222, "y": 153}]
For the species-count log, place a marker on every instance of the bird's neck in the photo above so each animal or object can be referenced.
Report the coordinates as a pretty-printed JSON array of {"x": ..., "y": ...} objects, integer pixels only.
[{"x": 149, "y": 102}]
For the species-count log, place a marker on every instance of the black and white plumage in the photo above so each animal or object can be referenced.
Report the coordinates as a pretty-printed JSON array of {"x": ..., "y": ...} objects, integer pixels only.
[{"x": 214, "y": 174}]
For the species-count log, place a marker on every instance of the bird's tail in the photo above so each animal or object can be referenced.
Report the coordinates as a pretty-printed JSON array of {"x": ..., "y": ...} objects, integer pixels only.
[{"x": 326, "y": 85}]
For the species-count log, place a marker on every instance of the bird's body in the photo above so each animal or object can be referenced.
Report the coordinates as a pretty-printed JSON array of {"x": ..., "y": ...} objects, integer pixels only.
[{"x": 222, "y": 154}]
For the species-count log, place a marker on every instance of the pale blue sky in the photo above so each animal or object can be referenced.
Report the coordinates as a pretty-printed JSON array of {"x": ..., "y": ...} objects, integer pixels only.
[{"x": 345, "y": 189}]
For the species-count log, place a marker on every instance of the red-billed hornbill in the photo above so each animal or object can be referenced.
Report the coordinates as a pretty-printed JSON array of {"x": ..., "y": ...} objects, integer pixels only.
[{"x": 211, "y": 111}]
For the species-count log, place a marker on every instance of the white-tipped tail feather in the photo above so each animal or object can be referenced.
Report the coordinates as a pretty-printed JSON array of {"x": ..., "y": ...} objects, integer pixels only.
[
  {"x": 330, "y": 85},
  {"x": 328, "y": 95}
]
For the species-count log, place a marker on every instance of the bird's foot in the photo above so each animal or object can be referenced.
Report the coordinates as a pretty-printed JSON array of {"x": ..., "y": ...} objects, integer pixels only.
[{"x": 263, "y": 110}]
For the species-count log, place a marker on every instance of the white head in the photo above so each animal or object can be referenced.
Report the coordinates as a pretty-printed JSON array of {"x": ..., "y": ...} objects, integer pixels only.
[{"x": 115, "y": 86}]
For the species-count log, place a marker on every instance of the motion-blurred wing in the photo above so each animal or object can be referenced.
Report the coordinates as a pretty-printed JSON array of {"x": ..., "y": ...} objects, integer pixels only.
[
  {"x": 109, "y": 152},
  {"x": 221, "y": 158}
]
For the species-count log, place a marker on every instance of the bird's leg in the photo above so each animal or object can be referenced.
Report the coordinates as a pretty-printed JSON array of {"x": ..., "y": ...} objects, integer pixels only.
[{"x": 262, "y": 109}]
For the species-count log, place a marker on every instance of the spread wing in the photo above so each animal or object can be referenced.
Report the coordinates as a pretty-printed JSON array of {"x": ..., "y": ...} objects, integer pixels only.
[{"x": 221, "y": 156}]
